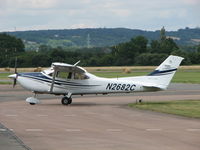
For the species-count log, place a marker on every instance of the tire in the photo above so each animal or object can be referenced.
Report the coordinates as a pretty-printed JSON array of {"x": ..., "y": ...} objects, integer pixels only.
[
  {"x": 32, "y": 103},
  {"x": 66, "y": 100},
  {"x": 70, "y": 100}
]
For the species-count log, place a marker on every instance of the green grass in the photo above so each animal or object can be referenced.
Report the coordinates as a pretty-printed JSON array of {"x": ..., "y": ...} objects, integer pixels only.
[
  {"x": 6, "y": 82},
  {"x": 187, "y": 108},
  {"x": 118, "y": 74},
  {"x": 183, "y": 76},
  {"x": 187, "y": 76},
  {"x": 4, "y": 75}
]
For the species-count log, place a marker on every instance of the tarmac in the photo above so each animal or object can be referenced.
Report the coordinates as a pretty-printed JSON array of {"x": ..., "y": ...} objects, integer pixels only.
[{"x": 96, "y": 122}]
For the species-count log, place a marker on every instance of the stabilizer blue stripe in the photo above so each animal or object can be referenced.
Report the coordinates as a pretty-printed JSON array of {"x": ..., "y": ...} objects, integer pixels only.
[{"x": 158, "y": 72}]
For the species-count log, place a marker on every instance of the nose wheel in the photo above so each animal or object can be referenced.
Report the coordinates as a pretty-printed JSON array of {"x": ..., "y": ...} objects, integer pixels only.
[{"x": 66, "y": 100}]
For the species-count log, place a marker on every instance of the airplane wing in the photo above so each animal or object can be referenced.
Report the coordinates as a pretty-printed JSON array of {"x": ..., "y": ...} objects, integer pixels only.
[{"x": 66, "y": 68}]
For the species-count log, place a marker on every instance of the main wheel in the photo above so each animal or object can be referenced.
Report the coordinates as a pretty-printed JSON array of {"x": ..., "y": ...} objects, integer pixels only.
[
  {"x": 32, "y": 103},
  {"x": 66, "y": 100},
  {"x": 70, "y": 100}
]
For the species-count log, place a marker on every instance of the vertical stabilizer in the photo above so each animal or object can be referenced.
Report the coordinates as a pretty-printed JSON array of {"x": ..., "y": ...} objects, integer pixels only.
[{"x": 164, "y": 73}]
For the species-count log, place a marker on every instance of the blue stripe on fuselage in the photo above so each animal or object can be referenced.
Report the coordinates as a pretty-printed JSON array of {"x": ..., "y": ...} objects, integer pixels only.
[{"x": 41, "y": 77}]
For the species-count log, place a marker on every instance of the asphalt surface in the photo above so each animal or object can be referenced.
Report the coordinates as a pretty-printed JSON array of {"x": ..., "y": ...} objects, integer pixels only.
[
  {"x": 96, "y": 122},
  {"x": 9, "y": 141}
]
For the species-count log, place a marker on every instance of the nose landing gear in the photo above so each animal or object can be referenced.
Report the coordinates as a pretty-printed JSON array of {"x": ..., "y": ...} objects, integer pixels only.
[{"x": 33, "y": 100}]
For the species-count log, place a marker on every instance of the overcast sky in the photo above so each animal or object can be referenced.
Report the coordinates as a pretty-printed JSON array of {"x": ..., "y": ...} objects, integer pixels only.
[{"x": 67, "y": 14}]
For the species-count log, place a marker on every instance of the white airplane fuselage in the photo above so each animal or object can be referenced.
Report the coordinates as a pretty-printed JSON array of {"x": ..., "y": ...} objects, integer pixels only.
[{"x": 41, "y": 83}]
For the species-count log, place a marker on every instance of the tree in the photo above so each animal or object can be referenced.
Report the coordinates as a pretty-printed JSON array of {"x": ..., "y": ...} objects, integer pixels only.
[
  {"x": 155, "y": 46},
  {"x": 58, "y": 55},
  {"x": 40, "y": 60},
  {"x": 125, "y": 53},
  {"x": 198, "y": 48},
  {"x": 10, "y": 44},
  {"x": 164, "y": 45},
  {"x": 44, "y": 48},
  {"x": 150, "y": 59},
  {"x": 140, "y": 44},
  {"x": 168, "y": 45}
]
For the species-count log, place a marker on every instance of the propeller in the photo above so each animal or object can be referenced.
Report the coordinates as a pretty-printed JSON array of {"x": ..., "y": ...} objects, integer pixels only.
[{"x": 15, "y": 79}]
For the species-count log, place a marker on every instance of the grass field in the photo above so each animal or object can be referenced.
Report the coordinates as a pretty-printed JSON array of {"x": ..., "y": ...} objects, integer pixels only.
[
  {"x": 187, "y": 108},
  {"x": 186, "y": 74},
  {"x": 4, "y": 75},
  {"x": 183, "y": 76},
  {"x": 5, "y": 82}
]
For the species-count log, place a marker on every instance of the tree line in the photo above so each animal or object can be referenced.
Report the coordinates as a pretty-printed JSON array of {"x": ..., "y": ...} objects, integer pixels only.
[
  {"x": 100, "y": 37},
  {"x": 137, "y": 51}
]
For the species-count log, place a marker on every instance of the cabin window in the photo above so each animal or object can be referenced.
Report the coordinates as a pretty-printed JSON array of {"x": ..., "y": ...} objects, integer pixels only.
[
  {"x": 61, "y": 74},
  {"x": 80, "y": 76},
  {"x": 71, "y": 75}
]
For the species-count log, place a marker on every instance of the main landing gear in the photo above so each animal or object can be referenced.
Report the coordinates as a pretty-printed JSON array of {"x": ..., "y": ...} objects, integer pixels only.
[{"x": 66, "y": 100}]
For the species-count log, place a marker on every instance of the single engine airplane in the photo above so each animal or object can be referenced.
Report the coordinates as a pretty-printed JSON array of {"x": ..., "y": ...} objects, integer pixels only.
[{"x": 67, "y": 80}]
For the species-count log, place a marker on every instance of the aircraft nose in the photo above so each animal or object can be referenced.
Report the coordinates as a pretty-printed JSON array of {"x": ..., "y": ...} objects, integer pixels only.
[{"x": 13, "y": 76}]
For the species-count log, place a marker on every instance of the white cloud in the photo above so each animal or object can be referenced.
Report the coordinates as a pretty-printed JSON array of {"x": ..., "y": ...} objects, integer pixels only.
[
  {"x": 121, "y": 12},
  {"x": 191, "y": 2},
  {"x": 81, "y": 25},
  {"x": 143, "y": 14},
  {"x": 31, "y": 3}
]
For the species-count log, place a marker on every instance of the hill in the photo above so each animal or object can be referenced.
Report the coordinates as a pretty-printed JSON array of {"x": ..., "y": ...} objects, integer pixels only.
[{"x": 100, "y": 37}]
